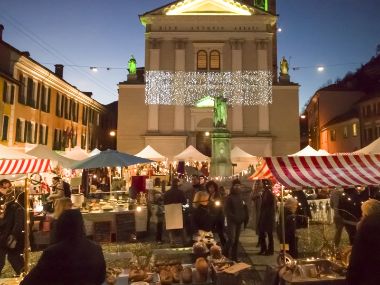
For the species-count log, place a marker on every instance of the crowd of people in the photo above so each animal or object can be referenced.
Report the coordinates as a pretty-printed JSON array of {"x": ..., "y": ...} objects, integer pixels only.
[{"x": 207, "y": 207}]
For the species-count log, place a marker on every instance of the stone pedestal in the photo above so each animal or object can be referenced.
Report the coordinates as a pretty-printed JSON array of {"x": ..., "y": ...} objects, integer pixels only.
[
  {"x": 221, "y": 153},
  {"x": 284, "y": 78},
  {"x": 131, "y": 77}
]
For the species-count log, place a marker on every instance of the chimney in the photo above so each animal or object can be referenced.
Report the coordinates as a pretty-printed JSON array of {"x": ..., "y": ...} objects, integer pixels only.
[
  {"x": 59, "y": 70},
  {"x": 88, "y": 94},
  {"x": 1, "y": 32}
]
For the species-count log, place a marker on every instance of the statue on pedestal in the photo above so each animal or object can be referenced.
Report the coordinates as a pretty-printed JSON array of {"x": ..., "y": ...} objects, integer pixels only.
[
  {"x": 220, "y": 112},
  {"x": 132, "y": 65},
  {"x": 284, "y": 77},
  {"x": 284, "y": 66}
]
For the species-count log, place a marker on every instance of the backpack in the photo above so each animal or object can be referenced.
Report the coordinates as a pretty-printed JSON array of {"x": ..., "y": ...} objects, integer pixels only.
[{"x": 66, "y": 189}]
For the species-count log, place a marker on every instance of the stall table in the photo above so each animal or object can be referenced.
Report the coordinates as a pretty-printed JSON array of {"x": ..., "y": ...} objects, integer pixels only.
[{"x": 141, "y": 219}]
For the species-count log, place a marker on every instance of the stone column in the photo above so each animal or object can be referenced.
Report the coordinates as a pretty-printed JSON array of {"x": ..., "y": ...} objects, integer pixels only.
[
  {"x": 180, "y": 60},
  {"x": 236, "y": 65},
  {"x": 262, "y": 64},
  {"x": 154, "y": 64}
]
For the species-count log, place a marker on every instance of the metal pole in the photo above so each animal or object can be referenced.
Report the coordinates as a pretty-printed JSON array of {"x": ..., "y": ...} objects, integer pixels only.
[
  {"x": 282, "y": 221},
  {"x": 26, "y": 228}
]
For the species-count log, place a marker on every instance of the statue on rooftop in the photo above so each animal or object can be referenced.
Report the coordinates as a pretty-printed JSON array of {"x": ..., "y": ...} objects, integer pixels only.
[
  {"x": 284, "y": 66},
  {"x": 132, "y": 65}
]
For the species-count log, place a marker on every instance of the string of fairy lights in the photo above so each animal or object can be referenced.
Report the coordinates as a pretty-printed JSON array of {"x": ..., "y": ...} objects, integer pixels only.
[{"x": 187, "y": 88}]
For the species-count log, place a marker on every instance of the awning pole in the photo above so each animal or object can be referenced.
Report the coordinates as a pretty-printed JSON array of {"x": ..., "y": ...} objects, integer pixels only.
[{"x": 26, "y": 228}]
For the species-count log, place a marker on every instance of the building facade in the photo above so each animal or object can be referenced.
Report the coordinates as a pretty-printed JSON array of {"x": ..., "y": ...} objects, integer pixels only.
[
  {"x": 345, "y": 116},
  {"x": 39, "y": 107},
  {"x": 198, "y": 37}
]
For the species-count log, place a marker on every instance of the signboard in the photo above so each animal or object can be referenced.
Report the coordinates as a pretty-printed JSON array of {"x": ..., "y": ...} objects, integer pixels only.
[
  {"x": 102, "y": 231},
  {"x": 125, "y": 226},
  {"x": 173, "y": 216}
]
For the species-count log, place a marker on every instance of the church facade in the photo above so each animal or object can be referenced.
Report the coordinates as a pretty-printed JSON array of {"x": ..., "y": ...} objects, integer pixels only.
[{"x": 195, "y": 51}]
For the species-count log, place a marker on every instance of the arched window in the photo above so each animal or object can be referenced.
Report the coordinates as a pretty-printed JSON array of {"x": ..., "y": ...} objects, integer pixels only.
[
  {"x": 214, "y": 60},
  {"x": 202, "y": 60}
]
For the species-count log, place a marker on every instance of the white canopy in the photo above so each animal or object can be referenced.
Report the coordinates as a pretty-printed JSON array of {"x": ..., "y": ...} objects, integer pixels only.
[
  {"x": 95, "y": 151},
  {"x": 372, "y": 148},
  {"x": 76, "y": 153},
  {"x": 306, "y": 151},
  {"x": 43, "y": 151},
  {"x": 239, "y": 155},
  {"x": 323, "y": 152},
  {"x": 150, "y": 153},
  {"x": 9, "y": 153},
  {"x": 191, "y": 153}
]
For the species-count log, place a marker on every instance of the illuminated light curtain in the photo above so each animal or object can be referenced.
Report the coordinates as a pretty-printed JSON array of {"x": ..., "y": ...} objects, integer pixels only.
[{"x": 187, "y": 88}]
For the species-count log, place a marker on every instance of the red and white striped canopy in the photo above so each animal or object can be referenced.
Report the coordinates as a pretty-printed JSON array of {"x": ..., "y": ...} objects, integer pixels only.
[
  {"x": 325, "y": 171},
  {"x": 23, "y": 166},
  {"x": 262, "y": 172}
]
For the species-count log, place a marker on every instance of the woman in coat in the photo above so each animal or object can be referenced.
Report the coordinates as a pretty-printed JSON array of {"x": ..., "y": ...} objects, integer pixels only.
[
  {"x": 267, "y": 219},
  {"x": 72, "y": 260}
]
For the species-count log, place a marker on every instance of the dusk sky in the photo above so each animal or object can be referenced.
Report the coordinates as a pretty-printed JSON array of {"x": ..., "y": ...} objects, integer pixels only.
[{"x": 338, "y": 34}]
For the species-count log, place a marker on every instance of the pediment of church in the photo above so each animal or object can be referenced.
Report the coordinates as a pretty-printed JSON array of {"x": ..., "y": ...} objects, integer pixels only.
[{"x": 207, "y": 7}]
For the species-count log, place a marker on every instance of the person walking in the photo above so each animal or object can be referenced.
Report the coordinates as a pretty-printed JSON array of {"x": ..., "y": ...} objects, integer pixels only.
[
  {"x": 11, "y": 227},
  {"x": 73, "y": 259},
  {"x": 235, "y": 212},
  {"x": 267, "y": 219}
]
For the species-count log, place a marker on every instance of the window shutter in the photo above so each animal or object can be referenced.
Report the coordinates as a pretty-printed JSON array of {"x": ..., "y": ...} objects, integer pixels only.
[
  {"x": 48, "y": 100},
  {"x": 5, "y": 128},
  {"x": 5, "y": 89},
  {"x": 46, "y": 135},
  {"x": 39, "y": 90},
  {"x": 29, "y": 95},
  {"x": 12, "y": 94},
  {"x": 18, "y": 130},
  {"x": 35, "y": 133}
]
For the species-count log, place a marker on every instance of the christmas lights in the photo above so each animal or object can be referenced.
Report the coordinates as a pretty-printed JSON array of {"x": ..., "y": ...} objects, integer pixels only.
[{"x": 187, "y": 88}]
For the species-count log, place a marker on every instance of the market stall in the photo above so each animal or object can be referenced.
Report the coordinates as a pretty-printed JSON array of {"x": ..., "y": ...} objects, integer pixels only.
[
  {"x": 114, "y": 203},
  {"x": 321, "y": 171}
]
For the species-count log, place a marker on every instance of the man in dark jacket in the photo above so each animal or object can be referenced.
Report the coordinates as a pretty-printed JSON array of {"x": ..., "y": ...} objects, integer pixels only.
[
  {"x": 267, "y": 219},
  {"x": 72, "y": 260},
  {"x": 175, "y": 196},
  {"x": 235, "y": 212}
]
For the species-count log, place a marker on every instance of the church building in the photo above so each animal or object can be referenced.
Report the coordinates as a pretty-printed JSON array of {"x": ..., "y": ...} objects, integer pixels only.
[{"x": 196, "y": 51}]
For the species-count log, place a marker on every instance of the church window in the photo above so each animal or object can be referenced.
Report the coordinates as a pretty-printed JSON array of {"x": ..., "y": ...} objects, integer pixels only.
[
  {"x": 214, "y": 60},
  {"x": 202, "y": 60}
]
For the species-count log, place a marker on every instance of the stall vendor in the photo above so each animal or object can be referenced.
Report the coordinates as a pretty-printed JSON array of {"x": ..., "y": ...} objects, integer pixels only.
[{"x": 57, "y": 189}]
